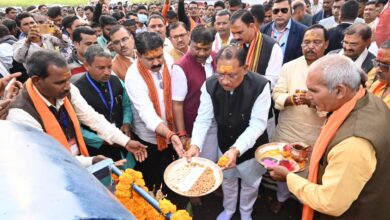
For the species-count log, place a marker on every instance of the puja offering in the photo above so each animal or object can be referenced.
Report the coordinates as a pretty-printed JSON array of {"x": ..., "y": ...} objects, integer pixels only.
[
  {"x": 222, "y": 162},
  {"x": 299, "y": 151},
  {"x": 197, "y": 178},
  {"x": 292, "y": 156}
]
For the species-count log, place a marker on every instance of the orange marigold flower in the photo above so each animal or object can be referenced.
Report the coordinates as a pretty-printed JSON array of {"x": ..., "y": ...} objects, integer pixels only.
[
  {"x": 222, "y": 162},
  {"x": 166, "y": 206},
  {"x": 181, "y": 215}
]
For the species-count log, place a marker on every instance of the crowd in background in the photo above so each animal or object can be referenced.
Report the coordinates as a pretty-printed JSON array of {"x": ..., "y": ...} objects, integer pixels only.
[{"x": 146, "y": 71}]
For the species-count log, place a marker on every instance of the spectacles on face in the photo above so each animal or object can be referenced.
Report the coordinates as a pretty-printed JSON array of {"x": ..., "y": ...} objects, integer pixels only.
[
  {"x": 231, "y": 76},
  {"x": 383, "y": 66},
  {"x": 276, "y": 11},
  {"x": 124, "y": 41},
  {"x": 315, "y": 43},
  {"x": 177, "y": 37},
  {"x": 349, "y": 44}
]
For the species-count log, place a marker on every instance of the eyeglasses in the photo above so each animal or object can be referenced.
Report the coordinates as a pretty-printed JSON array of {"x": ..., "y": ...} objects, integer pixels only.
[
  {"x": 315, "y": 43},
  {"x": 228, "y": 76},
  {"x": 383, "y": 66},
  {"x": 276, "y": 11},
  {"x": 124, "y": 41},
  {"x": 176, "y": 37}
]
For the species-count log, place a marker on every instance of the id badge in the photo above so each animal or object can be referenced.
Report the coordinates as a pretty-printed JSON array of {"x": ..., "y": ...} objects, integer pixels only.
[{"x": 73, "y": 146}]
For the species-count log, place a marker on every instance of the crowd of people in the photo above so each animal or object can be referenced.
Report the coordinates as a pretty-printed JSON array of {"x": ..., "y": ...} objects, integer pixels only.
[{"x": 146, "y": 84}]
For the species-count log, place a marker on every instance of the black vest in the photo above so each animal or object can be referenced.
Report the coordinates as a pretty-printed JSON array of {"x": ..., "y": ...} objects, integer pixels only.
[
  {"x": 265, "y": 53},
  {"x": 94, "y": 100},
  {"x": 24, "y": 102},
  {"x": 233, "y": 111},
  {"x": 368, "y": 120},
  {"x": 92, "y": 97}
]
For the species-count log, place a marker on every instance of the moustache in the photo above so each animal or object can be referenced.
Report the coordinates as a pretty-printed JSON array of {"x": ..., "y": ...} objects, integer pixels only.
[
  {"x": 348, "y": 50},
  {"x": 65, "y": 93},
  {"x": 156, "y": 66}
]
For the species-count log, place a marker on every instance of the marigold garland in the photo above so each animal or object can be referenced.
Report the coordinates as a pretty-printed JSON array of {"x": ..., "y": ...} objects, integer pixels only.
[
  {"x": 137, "y": 205},
  {"x": 181, "y": 215}
]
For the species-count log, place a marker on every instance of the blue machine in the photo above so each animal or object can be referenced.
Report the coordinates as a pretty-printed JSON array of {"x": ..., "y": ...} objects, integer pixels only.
[{"x": 40, "y": 179}]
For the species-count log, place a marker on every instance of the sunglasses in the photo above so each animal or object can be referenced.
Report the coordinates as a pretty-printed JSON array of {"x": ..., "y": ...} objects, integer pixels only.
[{"x": 277, "y": 10}]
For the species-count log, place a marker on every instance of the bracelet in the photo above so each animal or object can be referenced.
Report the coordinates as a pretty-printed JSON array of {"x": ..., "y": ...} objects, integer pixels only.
[
  {"x": 181, "y": 133},
  {"x": 292, "y": 100},
  {"x": 169, "y": 135}
]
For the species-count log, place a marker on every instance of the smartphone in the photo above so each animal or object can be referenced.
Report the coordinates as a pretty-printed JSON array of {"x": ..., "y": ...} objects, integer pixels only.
[
  {"x": 46, "y": 28},
  {"x": 9, "y": 88}
]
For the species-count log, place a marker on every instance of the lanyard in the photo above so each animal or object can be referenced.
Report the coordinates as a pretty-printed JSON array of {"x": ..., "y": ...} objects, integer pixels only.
[
  {"x": 280, "y": 36},
  {"x": 101, "y": 95}
]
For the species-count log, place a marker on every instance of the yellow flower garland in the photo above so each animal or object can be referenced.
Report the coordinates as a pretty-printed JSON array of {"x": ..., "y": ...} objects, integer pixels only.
[{"x": 138, "y": 206}]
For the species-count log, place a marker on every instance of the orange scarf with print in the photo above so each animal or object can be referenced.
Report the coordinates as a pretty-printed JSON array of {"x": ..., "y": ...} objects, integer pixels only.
[
  {"x": 50, "y": 123},
  {"x": 147, "y": 76},
  {"x": 334, "y": 122},
  {"x": 253, "y": 56}
]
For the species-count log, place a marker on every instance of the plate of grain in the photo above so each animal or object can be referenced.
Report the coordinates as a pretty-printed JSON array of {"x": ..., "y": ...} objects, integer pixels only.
[{"x": 198, "y": 178}]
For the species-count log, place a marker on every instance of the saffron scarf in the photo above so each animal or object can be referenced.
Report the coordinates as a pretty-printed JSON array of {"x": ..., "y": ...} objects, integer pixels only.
[
  {"x": 378, "y": 88},
  {"x": 327, "y": 133},
  {"x": 120, "y": 64},
  {"x": 50, "y": 123},
  {"x": 253, "y": 56},
  {"x": 153, "y": 95}
]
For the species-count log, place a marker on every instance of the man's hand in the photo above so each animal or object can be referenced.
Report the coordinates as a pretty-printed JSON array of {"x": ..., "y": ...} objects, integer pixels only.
[
  {"x": 177, "y": 145},
  {"x": 4, "y": 106},
  {"x": 138, "y": 150},
  {"x": 232, "y": 155},
  {"x": 34, "y": 36},
  {"x": 278, "y": 173},
  {"x": 98, "y": 158},
  {"x": 126, "y": 129},
  {"x": 183, "y": 140},
  {"x": 4, "y": 81},
  {"x": 57, "y": 32},
  {"x": 110, "y": 46},
  {"x": 120, "y": 163},
  {"x": 192, "y": 152},
  {"x": 301, "y": 98}
]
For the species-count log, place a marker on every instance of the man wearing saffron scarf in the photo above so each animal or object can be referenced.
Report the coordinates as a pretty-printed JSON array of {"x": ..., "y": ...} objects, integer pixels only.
[
  {"x": 51, "y": 104},
  {"x": 264, "y": 55},
  {"x": 180, "y": 38},
  {"x": 348, "y": 172},
  {"x": 148, "y": 83},
  {"x": 381, "y": 87},
  {"x": 239, "y": 101},
  {"x": 122, "y": 42}
]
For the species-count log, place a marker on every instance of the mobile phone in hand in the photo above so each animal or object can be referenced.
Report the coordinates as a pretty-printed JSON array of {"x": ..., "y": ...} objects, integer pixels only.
[{"x": 9, "y": 89}]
